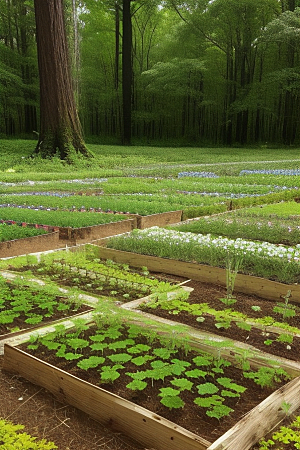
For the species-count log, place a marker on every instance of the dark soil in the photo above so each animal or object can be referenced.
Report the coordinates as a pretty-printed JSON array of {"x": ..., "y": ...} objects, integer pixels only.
[
  {"x": 206, "y": 293},
  {"x": 44, "y": 417}
]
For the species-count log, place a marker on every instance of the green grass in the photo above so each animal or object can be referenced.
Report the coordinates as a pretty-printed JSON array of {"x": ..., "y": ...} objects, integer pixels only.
[{"x": 144, "y": 160}]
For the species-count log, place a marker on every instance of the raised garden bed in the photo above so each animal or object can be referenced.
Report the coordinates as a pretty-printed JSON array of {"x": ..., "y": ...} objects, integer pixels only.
[
  {"x": 272, "y": 327},
  {"x": 220, "y": 391},
  {"x": 261, "y": 287},
  {"x": 27, "y": 305},
  {"x": 81, "y": 269}
]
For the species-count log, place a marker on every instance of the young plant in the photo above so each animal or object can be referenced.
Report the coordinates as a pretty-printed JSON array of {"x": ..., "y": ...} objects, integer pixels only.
[
  {"x": 285, "y": 309},
  {"x": 233, "y": 264}
]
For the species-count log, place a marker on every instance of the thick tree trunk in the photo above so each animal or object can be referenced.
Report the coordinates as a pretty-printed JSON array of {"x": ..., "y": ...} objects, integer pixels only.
[{"x": 60, "y": 130}]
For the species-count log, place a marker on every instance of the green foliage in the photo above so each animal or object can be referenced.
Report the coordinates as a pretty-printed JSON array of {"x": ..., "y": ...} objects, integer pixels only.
[
  {"x": 267, "y": 376},
  {"x": 91, "y": 362},
  {"x": 207, "y": 388},
  {"x": 11, "y": 438},
  {"x": 286, "y": 435}
]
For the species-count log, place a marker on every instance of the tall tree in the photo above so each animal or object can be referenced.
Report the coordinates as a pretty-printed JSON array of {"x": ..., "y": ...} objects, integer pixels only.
[
  {"x": 127, "y": 71},
  {"x": 60, "y": 130}
]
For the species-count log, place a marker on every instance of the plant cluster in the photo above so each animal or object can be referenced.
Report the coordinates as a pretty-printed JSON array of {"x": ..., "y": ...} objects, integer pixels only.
[
  {"x": 86, "y": 271},
  {"x": 11, "y": 438},
  {"x": 12, "y": 232},
  {"x": 272, "y": 171},
  {"x": 287, "y": 435},
  {"x": 58, "y": 218},
  {"x": 275, "y": 230}
]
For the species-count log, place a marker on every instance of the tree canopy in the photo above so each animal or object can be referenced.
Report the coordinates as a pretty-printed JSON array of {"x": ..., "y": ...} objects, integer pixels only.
[{"x": 199, "y": 72}]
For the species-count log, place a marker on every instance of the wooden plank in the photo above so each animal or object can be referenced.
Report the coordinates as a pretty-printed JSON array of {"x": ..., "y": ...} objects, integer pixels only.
[
  {"x": 261, "y": 420},
  {"x": 17, "y": 247},
  {"x": 159, "y": 220},
  {"x": 247, "y": 284},
  {"x": 142, "y": 425}
]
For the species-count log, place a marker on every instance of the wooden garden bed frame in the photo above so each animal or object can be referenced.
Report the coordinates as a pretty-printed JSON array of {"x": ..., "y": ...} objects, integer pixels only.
[
  {"x": 142, "y": 425},
  {"x": 40, "y": 243},
  {"x": 267, "y": 289}
]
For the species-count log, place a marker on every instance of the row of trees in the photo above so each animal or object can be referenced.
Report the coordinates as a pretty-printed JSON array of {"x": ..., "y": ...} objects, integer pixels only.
[{"x": 199, "y": 72}]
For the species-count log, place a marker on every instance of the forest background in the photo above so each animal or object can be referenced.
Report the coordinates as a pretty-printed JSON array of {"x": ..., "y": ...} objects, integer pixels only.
[{"x": 218, "y": 72}]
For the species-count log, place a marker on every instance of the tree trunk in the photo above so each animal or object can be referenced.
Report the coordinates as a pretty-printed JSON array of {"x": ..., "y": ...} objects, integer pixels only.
[
  {"x": 60, "y": 130},
  {"x": 126, "y": 72}
]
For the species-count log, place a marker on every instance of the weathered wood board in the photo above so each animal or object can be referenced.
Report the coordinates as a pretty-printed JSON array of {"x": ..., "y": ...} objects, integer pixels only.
[
  {"x": 32, "y": 244},
  {"x": 247, "y": 284},
  {"x": 159, "y": 220}
]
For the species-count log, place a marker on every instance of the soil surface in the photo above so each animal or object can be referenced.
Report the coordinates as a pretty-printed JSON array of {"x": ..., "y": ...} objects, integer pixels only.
[
  {"x": 44, "y": 417},
  {"x": 70, "y": 429}
]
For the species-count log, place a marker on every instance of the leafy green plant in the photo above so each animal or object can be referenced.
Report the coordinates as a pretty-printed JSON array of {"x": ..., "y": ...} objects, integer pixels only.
[
  {"x": 91, "y": 362},
  {"x": 267, "y": 376},
  {"x": 12, "y": 438},
  {"x": 286, "y": 435}
]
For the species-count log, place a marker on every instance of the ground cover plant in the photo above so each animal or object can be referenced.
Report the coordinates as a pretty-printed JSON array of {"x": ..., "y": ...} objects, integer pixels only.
[
  {"x": 286, "y": 437},
  {"x": 147, "y": 160},
  {"x": 12, "y": 437},
  {"x": 143, "y": 204},
  {"x": 144, "y": 367},
  {"x": 24, "y": 304},
  {"x": 263, "y": 259},
  {"x": 11, "y": 232},
  {"x": 84, "y": 271}
]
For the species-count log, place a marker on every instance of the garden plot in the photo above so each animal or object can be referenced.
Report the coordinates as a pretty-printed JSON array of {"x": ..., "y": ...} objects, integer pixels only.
[
  {"x": 278, "y": 224},
  {"x": 28, "y": 304},
  {"x": 145, "y": 196},
  {"x": 261, "y": 259},
  {"x": 13, "y": 232},
  {"x": 82, "y": 270},
  {"x": 197, "y": 391},
  {"x": 58, "y": 218},
  {"x": 272, "y": 327}
]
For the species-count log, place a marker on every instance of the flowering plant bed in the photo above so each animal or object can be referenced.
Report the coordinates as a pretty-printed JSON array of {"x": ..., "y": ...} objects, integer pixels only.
[
  {"x": 260, "y": 287},
  {"x": 262, "y": 259},
  {"x": 161, "y": 374}
]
